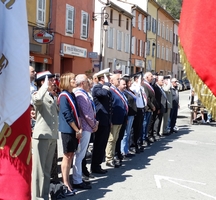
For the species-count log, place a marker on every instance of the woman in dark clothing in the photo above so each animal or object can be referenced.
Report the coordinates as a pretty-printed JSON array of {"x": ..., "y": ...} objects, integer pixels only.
[{"x": 69, "y": 126}]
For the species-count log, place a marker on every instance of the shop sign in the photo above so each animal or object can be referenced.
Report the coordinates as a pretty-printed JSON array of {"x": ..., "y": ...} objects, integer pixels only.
[
  {"x": 139, "y": 63},
  {"x": 74, "y": 50},
  {"x": 43, "y": 37}
]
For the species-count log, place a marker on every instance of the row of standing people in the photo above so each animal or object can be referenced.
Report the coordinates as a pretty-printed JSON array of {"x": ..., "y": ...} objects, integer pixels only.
[{"x": 116, "y": 106}]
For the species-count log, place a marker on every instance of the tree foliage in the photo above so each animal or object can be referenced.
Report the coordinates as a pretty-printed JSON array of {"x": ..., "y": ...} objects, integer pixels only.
[{"x": 172, "y": 6}]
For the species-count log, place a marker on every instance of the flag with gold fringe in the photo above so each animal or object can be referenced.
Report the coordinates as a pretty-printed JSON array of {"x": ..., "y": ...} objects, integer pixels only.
[
  {"x": 15, "y": 130},
  {"x": 197, "y": 33}
]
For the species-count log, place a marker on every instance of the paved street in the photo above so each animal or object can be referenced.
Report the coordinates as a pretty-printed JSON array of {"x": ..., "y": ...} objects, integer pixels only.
[{"x": 180, "y": 166}]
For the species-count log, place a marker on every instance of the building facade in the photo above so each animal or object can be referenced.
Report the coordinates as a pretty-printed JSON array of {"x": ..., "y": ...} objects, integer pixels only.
[
  {"x": 164, "y": 56},
  {"x": 151, "y": 44},
  {"x": 38, "y": 12},
  {"x": 114, "y": 45},
  {"x": 72, "y": 23}
]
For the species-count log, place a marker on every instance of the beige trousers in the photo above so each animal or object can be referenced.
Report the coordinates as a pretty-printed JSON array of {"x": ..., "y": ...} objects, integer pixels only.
[{"x": 111, "y": 144}]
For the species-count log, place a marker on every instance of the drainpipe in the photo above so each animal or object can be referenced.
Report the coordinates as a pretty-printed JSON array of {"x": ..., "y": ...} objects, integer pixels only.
[
  {"x": 48, "y": 25},
  {"x": 156, "y": 44}
]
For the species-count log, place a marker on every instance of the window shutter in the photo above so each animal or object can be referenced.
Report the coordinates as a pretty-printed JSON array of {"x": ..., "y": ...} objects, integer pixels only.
[
  {"x": 133, "y": 45},
  {"x": 134, "y": 18},
  {"x": 125, "y": 43},
  {"x": 113, "y": 37},
  {"x": 69, "y": 19},
  {"x": 41, "y": 11},
  {"x": 141, "y": 49},
  {"x": 140, "y": 22},
  {"x": 84, "y": 26},
  {"x": 144, "y": 25}
]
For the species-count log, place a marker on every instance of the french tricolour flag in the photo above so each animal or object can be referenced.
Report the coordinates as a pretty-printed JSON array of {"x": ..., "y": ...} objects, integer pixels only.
[{"x": 15, "y": 140}]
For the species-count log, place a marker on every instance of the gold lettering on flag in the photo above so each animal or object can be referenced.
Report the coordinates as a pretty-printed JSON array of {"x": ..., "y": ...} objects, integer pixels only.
[
  {"x": 5, "y": 133},
  {"x": 8, "y": 4},
  {"x": 15, "y": 149},
  {"x": 3, "y": 62},
  {"x": 18, "y": 144}
]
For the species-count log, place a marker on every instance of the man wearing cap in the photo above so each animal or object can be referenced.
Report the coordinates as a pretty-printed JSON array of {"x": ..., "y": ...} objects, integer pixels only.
[
  {"x": 102, "y": 98},
  {"x": 45, "y": 135},
  {"x": 175, "y": 104}
]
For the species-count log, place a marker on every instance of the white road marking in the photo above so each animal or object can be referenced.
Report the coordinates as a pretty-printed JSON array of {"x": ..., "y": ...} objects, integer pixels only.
[{"x": 158, "y": 179}]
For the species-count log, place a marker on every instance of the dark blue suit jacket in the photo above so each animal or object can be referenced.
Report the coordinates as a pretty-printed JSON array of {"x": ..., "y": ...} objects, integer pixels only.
[
  {"x": 103, "y": 103},
  {"x": 119, "y": 111}
]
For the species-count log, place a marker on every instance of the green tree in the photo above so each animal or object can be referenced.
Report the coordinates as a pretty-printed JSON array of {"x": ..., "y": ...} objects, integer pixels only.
[{"x": 172, "y": 6}]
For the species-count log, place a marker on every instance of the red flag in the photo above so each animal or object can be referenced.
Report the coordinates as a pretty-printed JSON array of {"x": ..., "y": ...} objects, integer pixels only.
[
  {"x": 15, "y": 140},
  {"x": 197, "y": 45}
]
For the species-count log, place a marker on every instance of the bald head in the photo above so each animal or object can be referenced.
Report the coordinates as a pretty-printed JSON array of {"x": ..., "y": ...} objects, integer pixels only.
[
  {"x": 115, "y": 79},
  {"x": 148, "y": 77}
]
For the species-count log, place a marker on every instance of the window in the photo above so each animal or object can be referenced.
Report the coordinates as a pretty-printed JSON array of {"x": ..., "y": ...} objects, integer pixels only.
[
  {"x": 148, "y": 48},
  {"x": 158, "y": 51},
  {"x": 127, "y": 24},
  {"x": 140, "y": 22},
  {"x": 171, "y": 35},
  {"x": 170, "y": 55},
  {"x": 144, "y": 25},
  {"x": 69, "y": 19},
  {"x": 111, "y": 16},
  {"x": 153, "y": 50},
  {"x": 176, "y": 40},
  {"x": 163, "y": 31},
  {"x": 149, "y": 67},
  {"x": 133, "y": 45},
  {"x": 137, "y": 47},
  {"x": 167, "y": 33},
  {"x": 110, "y": 37},
  {"x": 154, "y": 25},
  {"x": 119, "y": 22},
  {"x": 167, "y": 54},
  {"x": 134, "y": 18},
  {"x": 84, "y": 25},
  {"x": 127, "y": 42},
  {"x": 162, "y": 53},
  {"x": 41, "y": 11},
  {"x": 149, "y": 23},
  {"x": 119, "y": 40},
  {"x": 141, "y": 48},
  {"x": 159, "y": 28}
]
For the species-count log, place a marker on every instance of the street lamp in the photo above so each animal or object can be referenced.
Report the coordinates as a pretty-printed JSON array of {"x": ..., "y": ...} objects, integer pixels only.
[{"x": 105, "y": 25}]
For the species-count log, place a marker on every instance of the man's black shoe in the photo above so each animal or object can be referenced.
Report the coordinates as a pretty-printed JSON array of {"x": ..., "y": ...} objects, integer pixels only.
[
  {"x": 99, "y": 171},
  {"x": 82, "y": 185},
  {"x": 151, "y": 140},
  {"x": 112, "y": 164}
]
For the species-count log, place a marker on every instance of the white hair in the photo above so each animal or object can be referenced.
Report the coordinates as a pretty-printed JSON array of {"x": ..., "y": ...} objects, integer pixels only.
[{"x": 80, "y": 78}]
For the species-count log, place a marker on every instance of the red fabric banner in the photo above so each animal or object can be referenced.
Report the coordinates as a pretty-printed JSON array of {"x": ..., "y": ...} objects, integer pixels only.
[
  {"x": 197, "y": 37},
  {"x": 15, "y": 130},
  {"x": 15, "y": 160}
]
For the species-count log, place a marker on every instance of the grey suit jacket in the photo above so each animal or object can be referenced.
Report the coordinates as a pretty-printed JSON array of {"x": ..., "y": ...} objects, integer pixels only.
[{"x": 46, "y": 126}]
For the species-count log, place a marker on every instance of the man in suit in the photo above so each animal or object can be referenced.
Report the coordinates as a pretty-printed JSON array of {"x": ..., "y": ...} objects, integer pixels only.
[
  {"x": 175, "y": 105},
  {"x": 160, "y": 104},
  {"x": 119, "y": 107},
  {"x": 167, "y": 88},
  {"x": 45, "y": 135},
  {"x": 150, "y": 94},
  {"x": 103, "y": 102}
]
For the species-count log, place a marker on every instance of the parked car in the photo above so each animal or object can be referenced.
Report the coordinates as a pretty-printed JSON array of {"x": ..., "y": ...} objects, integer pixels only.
[{"x": 186, "y": 84}]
